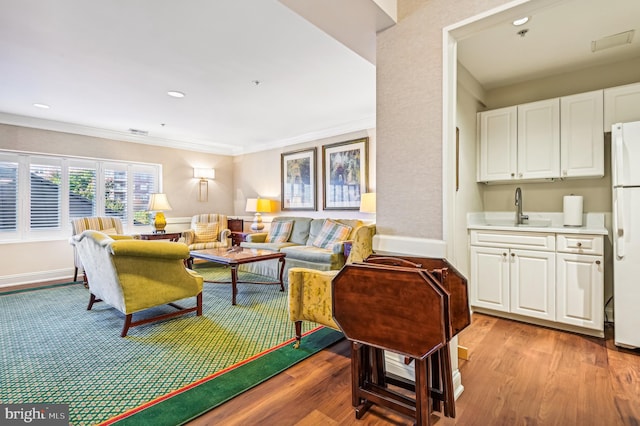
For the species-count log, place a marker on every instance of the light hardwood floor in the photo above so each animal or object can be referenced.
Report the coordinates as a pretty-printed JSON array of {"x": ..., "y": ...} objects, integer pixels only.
[{"x": 517, "y": 374}]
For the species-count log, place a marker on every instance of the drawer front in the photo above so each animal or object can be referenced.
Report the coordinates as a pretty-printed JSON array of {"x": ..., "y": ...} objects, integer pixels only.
[
  {"x": 580, "y": 244},
  {"x": 522, "y": 240}
]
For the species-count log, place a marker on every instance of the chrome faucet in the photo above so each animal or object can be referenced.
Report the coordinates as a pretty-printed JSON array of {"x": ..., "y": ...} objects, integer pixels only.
[{"x": 520, "y": 218}]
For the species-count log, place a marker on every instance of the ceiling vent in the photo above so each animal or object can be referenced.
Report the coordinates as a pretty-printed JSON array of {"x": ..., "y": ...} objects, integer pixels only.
[
  {"x": 138, "y": 132},
  {"x": 612, "y": 41}
]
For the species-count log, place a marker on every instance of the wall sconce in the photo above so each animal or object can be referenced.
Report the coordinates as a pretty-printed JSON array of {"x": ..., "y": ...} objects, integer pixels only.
[
  {"x": 368, "y": 202},
  {"x": 258, "y": 206},
  {"x": 203, "y": 186},
  {"x": 159, "y": 203}
]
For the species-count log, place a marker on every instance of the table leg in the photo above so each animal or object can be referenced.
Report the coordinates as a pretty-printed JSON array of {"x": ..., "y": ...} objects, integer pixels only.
[
  {"x": 234, "y": 283},
  {"x": 281, "y": 272}
]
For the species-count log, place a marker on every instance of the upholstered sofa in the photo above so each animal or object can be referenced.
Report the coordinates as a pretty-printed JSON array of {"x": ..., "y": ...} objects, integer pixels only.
[
  {"x": 303, "y": 246},
  {"x": 134, "y": 275}
]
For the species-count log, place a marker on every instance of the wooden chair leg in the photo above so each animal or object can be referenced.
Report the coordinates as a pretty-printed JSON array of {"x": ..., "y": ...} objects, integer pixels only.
[
  {"x": 75, "y": 274},
  {"x": 199, "y": 304},
  {"x": 92, "y": 300},
  {"x": 127, "y": 323},
  {"x": 296, "y": 345}
]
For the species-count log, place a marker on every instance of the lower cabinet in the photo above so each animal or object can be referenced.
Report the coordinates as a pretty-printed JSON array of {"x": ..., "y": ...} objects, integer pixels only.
[
  {"x": 579, "y": 284},
  {"x": 563, "y": 286}
]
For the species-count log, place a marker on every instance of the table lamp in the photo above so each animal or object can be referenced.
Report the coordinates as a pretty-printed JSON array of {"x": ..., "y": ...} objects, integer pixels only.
[
  {"x": 368, "y": 202},
  {"x": 159, "y": 203},
  {"x": 258, "y": 206}
]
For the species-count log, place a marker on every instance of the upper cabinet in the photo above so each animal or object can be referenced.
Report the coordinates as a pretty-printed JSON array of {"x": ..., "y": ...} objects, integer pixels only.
[
  {"x": 549, "y": 139},
  {"x": 621, "y": 105},
  {"x": 582, "y": 135},
  {"x": 519, "y": 142},
  {"x": 539, "y": 140},
  {"x": 498, "y": 154}
]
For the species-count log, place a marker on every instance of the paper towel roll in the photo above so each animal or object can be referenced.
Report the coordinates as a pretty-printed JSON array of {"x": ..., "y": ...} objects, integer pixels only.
[{"x": 572, "y": 210}]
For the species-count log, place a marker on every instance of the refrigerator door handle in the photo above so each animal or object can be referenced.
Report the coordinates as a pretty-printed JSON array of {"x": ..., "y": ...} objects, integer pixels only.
[
  {"x": 617, "y": 152},
  {"x": 618, "y": 226}
]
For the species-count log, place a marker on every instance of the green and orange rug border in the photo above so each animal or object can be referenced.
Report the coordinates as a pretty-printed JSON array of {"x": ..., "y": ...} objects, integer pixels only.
[{"x": 162, "y": 410}]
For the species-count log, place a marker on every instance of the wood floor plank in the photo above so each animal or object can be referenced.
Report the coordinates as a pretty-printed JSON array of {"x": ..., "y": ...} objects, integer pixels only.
[{"x": 518, "y": 374}]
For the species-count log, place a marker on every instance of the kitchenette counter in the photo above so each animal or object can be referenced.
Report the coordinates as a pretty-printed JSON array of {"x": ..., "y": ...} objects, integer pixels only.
[{"x": 593, "y": 223}]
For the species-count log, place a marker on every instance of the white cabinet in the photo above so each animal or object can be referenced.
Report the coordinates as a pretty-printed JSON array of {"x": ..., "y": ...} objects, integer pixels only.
[
  {"x": 557, "y": 278},
  {"x": 539, "y": 140},
  {"x": 520, "y": 142},
  {"x": 533, "y": 283},
  {"x": 621, "y": 105},
  {"x": 549, "y": 139},
  {"x": 507, "y": 278},
  {"x": 580, "y": 281},
  {"x": 582, "y": 135},
  {"x": 498, "y": 153}
]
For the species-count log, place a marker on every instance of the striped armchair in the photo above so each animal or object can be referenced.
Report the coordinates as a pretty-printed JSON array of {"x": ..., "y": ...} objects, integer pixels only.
[
  {"x": 108, "y": 225},
  {"x": 207, "y": 231}
]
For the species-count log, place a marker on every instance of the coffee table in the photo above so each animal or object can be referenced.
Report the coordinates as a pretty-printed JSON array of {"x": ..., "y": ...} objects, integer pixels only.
[{"x": 235, "y": 256}]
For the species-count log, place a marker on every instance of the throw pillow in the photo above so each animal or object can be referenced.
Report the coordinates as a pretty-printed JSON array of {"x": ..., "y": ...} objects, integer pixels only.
[
  {"x": 279, "y": 231},
  {"x": 206, "y": 232},
  {"x": 331, "y": 233}
]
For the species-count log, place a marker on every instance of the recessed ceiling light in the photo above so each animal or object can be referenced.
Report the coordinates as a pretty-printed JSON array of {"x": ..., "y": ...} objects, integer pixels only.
[
  {"x": 175, "y": 94},
  {"x": 43, "y": 106},
  {"x": 521, "y": 21},
  {"x": 256, "y": 82}
]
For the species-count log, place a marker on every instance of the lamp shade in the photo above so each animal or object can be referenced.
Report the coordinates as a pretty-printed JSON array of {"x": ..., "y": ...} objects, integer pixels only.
[
  {"x": 368, "y": 202},
  {"x": 204, "y": 173},
  {"x": 258, "y": 205},
  {"x": 158, "y": 202}
]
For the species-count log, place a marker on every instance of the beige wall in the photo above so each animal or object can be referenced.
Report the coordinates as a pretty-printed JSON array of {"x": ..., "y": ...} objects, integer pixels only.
[
  {"x": 409, "y": 116},
  {"x": 258, "y": 174},
  {"x": 40, "y": 260}
]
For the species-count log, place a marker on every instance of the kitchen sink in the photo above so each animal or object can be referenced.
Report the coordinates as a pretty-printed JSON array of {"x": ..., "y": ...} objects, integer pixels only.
[{"x": 526, "y": 224}]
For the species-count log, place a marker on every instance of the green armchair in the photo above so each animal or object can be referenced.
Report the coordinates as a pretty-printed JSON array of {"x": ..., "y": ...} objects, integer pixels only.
[{"x": 134, "y": 275}]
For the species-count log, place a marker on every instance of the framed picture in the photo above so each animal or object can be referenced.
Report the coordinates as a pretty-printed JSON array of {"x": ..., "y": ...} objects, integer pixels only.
[
  {"x": 344, "y": 174},
  {"x": 298, "y": 180}
]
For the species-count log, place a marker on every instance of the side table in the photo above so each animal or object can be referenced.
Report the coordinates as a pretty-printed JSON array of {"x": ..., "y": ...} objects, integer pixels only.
[
  {"x": 173, "y": 236},
  {"x": 238, "y": 237}
]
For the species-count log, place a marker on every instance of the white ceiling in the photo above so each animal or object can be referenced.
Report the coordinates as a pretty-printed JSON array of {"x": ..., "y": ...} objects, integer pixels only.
[
  {"x": 108, "y": 65},
  {"x": 105, "y": 67},
  {"x": 558, "y": 40}
]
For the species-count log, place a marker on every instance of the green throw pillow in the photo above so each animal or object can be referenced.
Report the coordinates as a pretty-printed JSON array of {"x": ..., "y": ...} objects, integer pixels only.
[
  {"x": 279, "y": 231},
  {"x": 331, "y": 233}
]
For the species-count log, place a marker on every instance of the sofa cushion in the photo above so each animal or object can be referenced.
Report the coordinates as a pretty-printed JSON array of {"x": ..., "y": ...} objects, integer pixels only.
[
  {"x": 279, "y": 231},
  {"x": 266, "y": 246},
  {"x": 206, "y": 232},
  {"x": 300, "y": 231},
  {"x": 331, "y": 232},
  {"x": 311, "y": 254}
]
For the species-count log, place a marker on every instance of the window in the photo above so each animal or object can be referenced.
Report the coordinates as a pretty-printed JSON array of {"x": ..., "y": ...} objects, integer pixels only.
[
  {"x": 8, "y": 196},
  {"x": 39, "y": 194}
]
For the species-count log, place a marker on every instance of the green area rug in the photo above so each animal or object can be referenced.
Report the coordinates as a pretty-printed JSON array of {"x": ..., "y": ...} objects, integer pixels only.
[{"x": 54, "y": 351}]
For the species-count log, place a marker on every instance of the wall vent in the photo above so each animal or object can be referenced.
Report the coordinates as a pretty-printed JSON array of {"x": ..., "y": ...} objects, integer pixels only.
[
  {"x": 612, "y": 41},
  {"x": 139, "y": 132}
]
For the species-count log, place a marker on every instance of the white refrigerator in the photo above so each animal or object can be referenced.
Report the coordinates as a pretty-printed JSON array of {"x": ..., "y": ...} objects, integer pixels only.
[{"x": 625, "y": 177}]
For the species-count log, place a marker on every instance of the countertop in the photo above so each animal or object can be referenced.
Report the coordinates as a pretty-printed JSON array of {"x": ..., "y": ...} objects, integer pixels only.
[{"x": 551, "y": 222}]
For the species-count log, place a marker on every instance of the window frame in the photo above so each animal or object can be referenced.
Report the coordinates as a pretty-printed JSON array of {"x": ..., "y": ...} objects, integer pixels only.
[{"x": 24, "y": 160}]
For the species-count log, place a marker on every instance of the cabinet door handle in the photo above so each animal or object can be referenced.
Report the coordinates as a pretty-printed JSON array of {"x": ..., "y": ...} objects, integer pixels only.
[
  {"x": 579, "y": 244},
  {"x": 513, "y": 174},
  {"x": 513, "y": 255},
  {"x": 504, "y": 254},
  {"x": 597, "y": 262}
]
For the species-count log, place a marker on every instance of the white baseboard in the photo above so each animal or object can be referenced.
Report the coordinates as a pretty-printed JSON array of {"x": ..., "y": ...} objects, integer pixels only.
[
  {"x": 37, "y": 277},
  {"x": 409, "y": 246}
]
